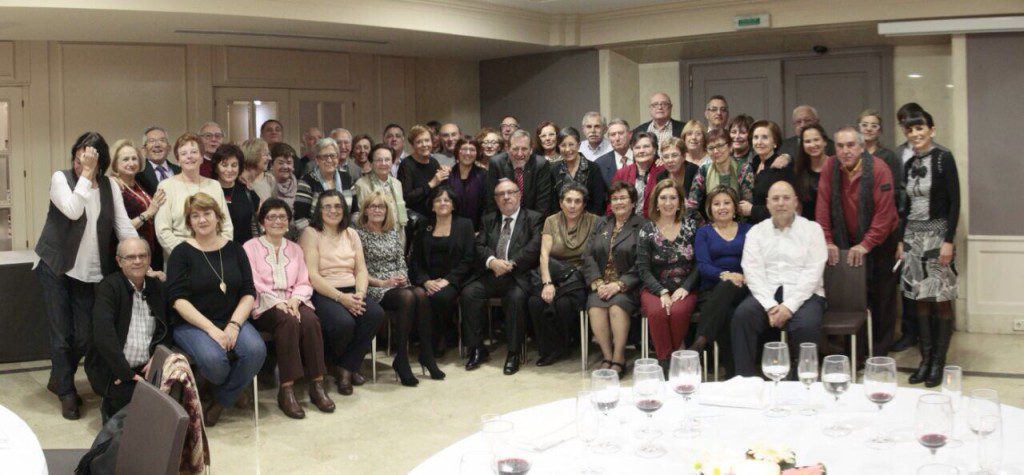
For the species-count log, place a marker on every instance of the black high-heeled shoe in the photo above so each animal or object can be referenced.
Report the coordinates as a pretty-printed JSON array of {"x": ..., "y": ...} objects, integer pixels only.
[
  {"x": 431, "y": 367},
  {"x": 404, "y": 373}
]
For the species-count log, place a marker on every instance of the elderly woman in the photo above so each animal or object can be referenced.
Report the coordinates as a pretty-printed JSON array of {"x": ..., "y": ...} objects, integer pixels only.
[
  {"x": 324, "y": 177},
  {"x": 468, "y": 181},
  {"x": 171, "y": 222},
  {"x": 608, "y": 269},
  {"x": 421, "y": 174},
  {"x": 546, "y": 139},
  {"x": 677, "y": 168},
  {"x": 361, "y": 146},
  {"x": 283, "y": 309},
  {"x": 141, "y": 207},
  {"x": 75, "y": 251},
  {"x": 719, "y": 248},
  {"x": 693, "y": 142},
  {"x": 255, "y": 162},
  {"x": 723, "y": 170},
  {"x": 210, "y": 289},
  {"x": 282, "y": 163},
  {"x": 380, "y": 179},
  {"x": 491, "y": 144},
  {"x": 810, "y": 158},
  {"x": 555, "y": 305},
  {"x": 337, "y": 271},
  {"x": 242, "y": 201},
  {"x": 739, "y": 135},
  {"x": 665, "y": 263},
  {"x": 571, "y": 167},
  {"x": 441, "y": 260},
  {"x": 765, "y": 137},
  {"x": 390, "y": 285},
  {"x": 643, "y": 173}
]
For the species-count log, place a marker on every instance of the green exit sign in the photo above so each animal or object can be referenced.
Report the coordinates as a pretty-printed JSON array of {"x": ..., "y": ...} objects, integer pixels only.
[{"x": 745, "y": 22}]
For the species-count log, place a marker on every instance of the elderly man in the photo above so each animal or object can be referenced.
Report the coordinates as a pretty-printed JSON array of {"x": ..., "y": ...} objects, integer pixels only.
[
  {"x": 532, "y": 174},
  {"x": 507, "y": 249},
  {"x": 449, "y": 135},
  {"x": 128, "y": 321},
  {"x": 212, "y": 136},
  {"x": 620, "y": 155},
  {"x": 856, "y": 211},
  {"x": 343, "y": 138},
  {"x": 716, "y": 112},
  {"x": 509, "y": 124},
  {"x": 272, "y": 132},
  {"x": 308, "y": 160},
  {"x": 593, "y": 130},
  {"x": 157, "y": 167},
  {"x": 803, "y": 116},
  {"x": 394, "y": 137},
  {"x": 662, "y": 125},
  {"x": 783, "y": 265}
]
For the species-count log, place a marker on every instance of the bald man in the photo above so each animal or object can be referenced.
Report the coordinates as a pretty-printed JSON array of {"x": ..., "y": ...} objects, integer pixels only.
[
  {"x": 783, "y": 266},
  {"x": 661, "y": 124},
  {"x": 803, "y": 116}
]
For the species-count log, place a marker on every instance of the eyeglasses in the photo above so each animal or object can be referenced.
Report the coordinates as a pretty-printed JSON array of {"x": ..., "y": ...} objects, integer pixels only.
[
  {"x": 657, "y": 105},
  {"x": 277, "y": 217},
  {"x": 510, "y": 126},
  {"x": 328, "y": 156},
  {"x": 870, "y": 126},
  {"x": 134, "y": 257},
  {"x": 717, "y": 109},
  {"x": 209, "y": 135},
  {"x": 490, "y": 143},
  {"x": 156, "y": 141},
  {"x": 377, "y": 206},
  {"x": 506, "y": 194},
  {"x": 718, "y": 146}
]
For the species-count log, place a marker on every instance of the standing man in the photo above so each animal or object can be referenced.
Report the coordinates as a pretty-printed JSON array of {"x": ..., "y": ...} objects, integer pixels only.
[
  {"x": 343, "y": 138},
  {"x": 507, "y": 249},
  {"x": 157, "y": 167},
  {"x": 620, "y": 155},
  {"x": 532, "y": 174},
  {"x": 856, "y": 211},
  {"x": 716, "y": 113},
  {"x": 394, "y": 137},
  {"x": 662, "y": 125},
  {"x": 309, "y": 139},
  {"x": 272, "y": 132},
  {"x": 212, "y": 136},
  {"x": 509, "y": 124},
  {"x": 803, "y": 116},
  {"x": 593, "y": 128},
  {"x": 450, "y": 135}
]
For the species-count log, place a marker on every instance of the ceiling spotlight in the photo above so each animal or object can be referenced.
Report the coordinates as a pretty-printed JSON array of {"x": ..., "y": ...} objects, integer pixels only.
[
  {"x": 949, "y": 86},
  {"x": 257, "y": 103},
  {"x": 914, "y": 76}
]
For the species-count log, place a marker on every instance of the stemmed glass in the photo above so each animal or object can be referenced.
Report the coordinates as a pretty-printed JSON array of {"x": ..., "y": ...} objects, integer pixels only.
[
  {"x": 684, "y": 376},
  {"x": 648, "y": 395},
  {"x": 880, "y": 388},
  {"x": 588, "y": 428},
  {"x": 807, "y": 373},
  {"x": 933, "y": 425},
  {"x": 604, "y": 385},
  {"x": 835, "y": 378},
  {"x": 984, "y": 419},
  {"x": 507, "y": 458},
  {"x": 775, "y": 364}
]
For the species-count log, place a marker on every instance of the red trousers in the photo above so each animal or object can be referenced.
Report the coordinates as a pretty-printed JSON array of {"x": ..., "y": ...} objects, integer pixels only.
[{"x": 667, "y": 329}]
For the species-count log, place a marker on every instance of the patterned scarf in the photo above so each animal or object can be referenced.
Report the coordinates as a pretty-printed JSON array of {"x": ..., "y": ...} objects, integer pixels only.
[{"x": 195, "y": 457}]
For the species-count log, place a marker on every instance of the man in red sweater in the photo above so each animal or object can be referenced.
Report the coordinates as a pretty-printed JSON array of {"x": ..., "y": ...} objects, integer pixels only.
[{"x": 857, "y": 211}]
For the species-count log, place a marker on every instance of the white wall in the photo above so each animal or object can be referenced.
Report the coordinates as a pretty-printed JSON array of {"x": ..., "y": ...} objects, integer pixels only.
[
  {"x": 660, "y": 77},
  {"x": 931, "y": 90}
]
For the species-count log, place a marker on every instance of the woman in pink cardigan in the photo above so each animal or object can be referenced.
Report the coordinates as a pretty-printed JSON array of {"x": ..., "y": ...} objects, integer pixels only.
[{"x": 283, "y": 308}]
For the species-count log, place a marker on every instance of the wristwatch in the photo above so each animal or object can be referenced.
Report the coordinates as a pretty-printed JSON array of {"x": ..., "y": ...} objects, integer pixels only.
[{"x": 664, "y": 292}]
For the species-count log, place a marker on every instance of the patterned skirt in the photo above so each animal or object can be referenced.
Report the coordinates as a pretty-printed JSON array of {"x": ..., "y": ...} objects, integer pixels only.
[{"x": 924, "y": 278}]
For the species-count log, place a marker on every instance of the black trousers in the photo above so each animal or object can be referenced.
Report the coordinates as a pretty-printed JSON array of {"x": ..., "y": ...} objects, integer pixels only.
[
  {"x": 473, "y": 303},
  {"x": 442, "y": 304},
  {"x": 883, "y": 288},
  {"x": 347, "y": 338},
  {"x": 750, "y": 330},
  {"x": 557, "y": 322},
  {"x": 68, "y": 303},
  {"x": 716, "y": 309}
]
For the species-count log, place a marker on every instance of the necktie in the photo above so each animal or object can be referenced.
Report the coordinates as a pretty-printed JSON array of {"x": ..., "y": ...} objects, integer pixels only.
[
  {"x": 161, "y": 172},
  {"x": 519, "y": 179},
  {"x": 625, "y": 160},
  {"x": 504, "y": 238}
]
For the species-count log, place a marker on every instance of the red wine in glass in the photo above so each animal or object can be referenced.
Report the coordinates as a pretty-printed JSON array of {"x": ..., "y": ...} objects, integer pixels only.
[
  {"x": 932, "y": 441},
  {"x": 685, "y": 390},
  {"x": 648, "y": 405},
  {"x": 880, "y": 398},
  {"x": 513, "y": 466}
]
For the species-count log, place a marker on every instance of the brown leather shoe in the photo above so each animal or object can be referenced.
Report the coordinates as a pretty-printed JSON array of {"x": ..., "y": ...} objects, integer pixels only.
[
  {"x": 288, "y": 404},
  {"x": 358, "y": 379},
  {"x": 69, "y": 407},
  {"x": 245, "y": 401},
  {"x": 344, "y": 380},
  {"x": 212, "y": 414},
  {"x": 318, "y": 396}
]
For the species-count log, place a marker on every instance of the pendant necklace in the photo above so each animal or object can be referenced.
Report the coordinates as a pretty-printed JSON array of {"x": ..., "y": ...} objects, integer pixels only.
[{"x": 223, "y": 286}]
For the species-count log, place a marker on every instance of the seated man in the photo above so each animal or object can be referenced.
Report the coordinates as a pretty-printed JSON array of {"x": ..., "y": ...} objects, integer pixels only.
[
  {"x": 128, "y": 321},
  {"x": 784, "y": 265},
  {"x": 507, "y": 248}
]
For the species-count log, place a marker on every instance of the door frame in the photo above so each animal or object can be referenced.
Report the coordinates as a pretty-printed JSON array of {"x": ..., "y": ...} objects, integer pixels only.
[
  {"x": 222, "y": 95},
  {"x": 21, "y": 218}
]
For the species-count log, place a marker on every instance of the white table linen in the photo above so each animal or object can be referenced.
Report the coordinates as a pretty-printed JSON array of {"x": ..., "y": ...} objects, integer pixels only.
[{"x": 20, "y": 451}]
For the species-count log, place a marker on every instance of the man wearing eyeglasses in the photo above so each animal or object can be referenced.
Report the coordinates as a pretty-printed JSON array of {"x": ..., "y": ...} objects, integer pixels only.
[
  {"x": 509, "y": 124},
  {"x": 157, "y": 167},
  {"x": 531, "y": 173},
  {"x": 661, "y": 124},
  {"x": 212, "y": 136},
  {"x": 716, "y": 112},
  {"x": 128, "y": 322}
]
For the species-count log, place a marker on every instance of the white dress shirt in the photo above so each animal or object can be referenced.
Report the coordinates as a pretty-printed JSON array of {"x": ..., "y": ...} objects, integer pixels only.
[
  {"x": 593, "y": 153},
  {"x": 86, "y": 199},
  {"x": 792, "y": 258},
  {"x": 619, "y": 163},
  {"x": 512, "y": 226}
]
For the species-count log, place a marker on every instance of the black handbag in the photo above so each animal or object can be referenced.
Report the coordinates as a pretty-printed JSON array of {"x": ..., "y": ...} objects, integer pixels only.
[{"x": 564, "y": 276}]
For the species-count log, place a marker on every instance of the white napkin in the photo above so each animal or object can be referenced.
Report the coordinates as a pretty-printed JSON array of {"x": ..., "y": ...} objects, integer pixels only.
[
  {"x": 737, "y": 392},
  {"x": 544, "y": 429}
]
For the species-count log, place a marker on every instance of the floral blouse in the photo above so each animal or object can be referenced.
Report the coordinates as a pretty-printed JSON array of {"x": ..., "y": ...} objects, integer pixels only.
[
  {"x": 667, "y": 265},
  {"x": 384, "y": 259}
]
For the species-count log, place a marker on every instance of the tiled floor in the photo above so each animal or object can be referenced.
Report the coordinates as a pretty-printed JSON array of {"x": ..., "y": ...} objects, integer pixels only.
[{"x": 388, "y": 429}]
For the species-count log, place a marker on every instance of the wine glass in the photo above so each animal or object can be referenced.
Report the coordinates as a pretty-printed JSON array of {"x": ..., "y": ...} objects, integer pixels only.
[
  {"x": 588, "y": 428},
  {"x": 775, "y": 364},
  {"x": 880, "y": 388},
  {"x": 952, "y": 384},
  {"x": 984, "y": 419},
  {"x": 604, "y": 385},
  {"x": 684, "y": 376},
  {"x": 807, "y": 373},
  {"x": 835, "y": 378},
  {"x": 648, "y": 395},
  {"x": 933, "y": 425}
]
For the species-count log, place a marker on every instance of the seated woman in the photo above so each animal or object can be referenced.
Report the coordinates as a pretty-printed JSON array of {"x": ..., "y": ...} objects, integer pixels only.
[
  {"x": 664, "y": 260},
  {"x": 467, "y": 181},
  {"x": 380, "y": 179},
  {"x": 324, "y": 177},
  {"x": 555, "y": 306},
  {"x": 608, "y": 269},
  {"x": 334, "y": 259},
  {"x": 140, "y": 206},
  {"x": 242, "y": 201},
  {"x": 442, "y": 258},
  {"x": 572, "y": 167},
  {"x": 723, "y": 170},
  {"x": 677, "y": 167},
  {"x": 389, "y": 285},
  {"x": 719, "y": 248},
  {"x": 210, "y": 289},
  {"x": 283, "y": 309},
  {"x": 282, "y": 166},
  {"x": 810, "y": 159}
]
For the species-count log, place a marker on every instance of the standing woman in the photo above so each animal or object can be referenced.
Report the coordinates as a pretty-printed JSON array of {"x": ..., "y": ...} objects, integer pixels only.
[
  {"x": 665, "y": 262},
  {"x": 572, "y": 168},
  {"x": 75, "y": 251},
  {"x": 381, "y": 179},
  {"x": 765, "y": 137},
  {"x": 254, "y": 168},
  {"x": 739, "y": 135},
  {"x": 361, "y": 146},
  {"x": 421, "y": 174},
  {"x": 643, "y": 173},
  {"x": 390, "y": 285},
  {"x": 546, "y": 138},
  {"x": 723, "y": 170},
  {"x": 210, "y": 289},
  {"x": 282, "y": 169},
  {"x": 609, "y": 271},
  {"x": 242, "y": 201},
  {"x": 171, "y": 222},
  {"x": 468, "y": 181},
  {"x": 810, "y": 158},
  {"x": 141, "y": 208},
  {"x": 693, "y": 143},
  {"x": 930, "y": 214},
  {"x": 869, "y": 123},
  {"x": 337, "y": 271},
  {"x": 680, "y": 170},
  {"x": 325, "y": 176},
  {"x": 283, "y": 309},
  {"x": 491, "y": 144}
]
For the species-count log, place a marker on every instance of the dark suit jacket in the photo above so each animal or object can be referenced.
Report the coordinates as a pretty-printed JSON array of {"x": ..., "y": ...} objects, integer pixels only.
[
  {"x": 537, "y": 188},
  {"x": 677, "y": 127},
  {"x": 606, "y": 163},
  {"x": 147, "y": 177},
  {"x": 111, "y": 316},
  {"x": 460, "y": 255},
  {"x": 523, "y": 250},
  {"x": 595, "y": 256}
]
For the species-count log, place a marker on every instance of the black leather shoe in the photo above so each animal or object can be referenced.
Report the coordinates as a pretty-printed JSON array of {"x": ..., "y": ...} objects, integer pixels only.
[
  {"x": 477, "y": 357},
  {"x": 551, "y": 359},
  {"x": 69, "y": 407},
  {"x": 511, "y": 364}
]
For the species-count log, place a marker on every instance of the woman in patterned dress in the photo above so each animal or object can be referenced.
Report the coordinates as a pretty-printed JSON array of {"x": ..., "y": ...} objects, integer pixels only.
[{"x": 141, "y": 207}]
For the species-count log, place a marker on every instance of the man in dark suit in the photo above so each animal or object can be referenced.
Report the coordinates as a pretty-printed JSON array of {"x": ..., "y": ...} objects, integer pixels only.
[
  {"x": 507, "y": 249},
  {"x": 128, "y": 321},
  {"x": 803, "y": 116},
  {"x": 620, "y": 156},
  {"x": 660, "y": 108},
  {"x": 157, "y": 167},
  {"x": 532, "y": 174}
]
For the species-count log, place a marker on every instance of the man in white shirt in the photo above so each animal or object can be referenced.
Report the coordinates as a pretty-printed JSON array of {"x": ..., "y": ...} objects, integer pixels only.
[
  {"x": 593, "y": 127},
  {"x": 783, "y": 265},
  {"x": 394, "y": 137},
  {"x": 716, "y": 112},
  {"x": 620, "y": 154}
]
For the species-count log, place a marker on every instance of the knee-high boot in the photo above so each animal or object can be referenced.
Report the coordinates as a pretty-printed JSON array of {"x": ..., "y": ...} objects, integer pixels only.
[
  {"x": 942, "y": 335},
  {"x": 927, "y": 344}
]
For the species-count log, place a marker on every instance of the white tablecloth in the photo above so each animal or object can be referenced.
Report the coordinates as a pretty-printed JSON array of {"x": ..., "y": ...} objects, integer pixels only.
[
  {"x": 19, "y": 449},
  {"x": 733, "y": 431}
]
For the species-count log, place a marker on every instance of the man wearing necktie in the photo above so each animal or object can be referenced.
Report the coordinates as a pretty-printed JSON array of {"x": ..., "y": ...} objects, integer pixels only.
[
  {"x": 157, "y": 167},
  {"x": 532, "y": 174},
  {"x": 507, "y": 248}
]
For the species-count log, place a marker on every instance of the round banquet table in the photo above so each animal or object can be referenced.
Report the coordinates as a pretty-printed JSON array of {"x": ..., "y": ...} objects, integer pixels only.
[
  {"x": 19, "y": 449},
  {"x": 731, "y": 431}
]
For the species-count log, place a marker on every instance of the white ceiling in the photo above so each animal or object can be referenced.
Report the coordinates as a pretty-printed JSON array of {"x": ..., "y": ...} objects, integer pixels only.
[{"x": 579, "y": 7}]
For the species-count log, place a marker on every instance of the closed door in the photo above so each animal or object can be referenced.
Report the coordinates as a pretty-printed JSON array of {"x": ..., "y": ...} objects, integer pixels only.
[
  {"x": 14, "y": 222},
  {"x": 751, "y": 87},
  {"x": 241, "y": 111},
  {"x": 326, "y": 110},
  {"x": 839, "y": 88}
]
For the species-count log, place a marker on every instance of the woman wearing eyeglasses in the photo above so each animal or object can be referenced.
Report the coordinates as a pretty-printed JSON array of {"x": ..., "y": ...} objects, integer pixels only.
[
  {"x": 491, "y": 144},
  {"x": 322, "y": 178},
  {"x": 380, "y": 179},
  {"x": 723, "y": 170}
]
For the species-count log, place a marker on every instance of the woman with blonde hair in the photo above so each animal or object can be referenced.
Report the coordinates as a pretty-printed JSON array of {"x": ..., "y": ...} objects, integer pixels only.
[
  {"x": 254, "y": 168},
  {"x": 140, "y": 206},
  {"x": 693, "y": 142}
]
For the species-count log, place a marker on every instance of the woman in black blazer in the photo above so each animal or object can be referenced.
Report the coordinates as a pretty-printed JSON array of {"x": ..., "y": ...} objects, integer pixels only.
[
  {"x": 609, "y": 272},
  {"x": 441, "y": 260}
]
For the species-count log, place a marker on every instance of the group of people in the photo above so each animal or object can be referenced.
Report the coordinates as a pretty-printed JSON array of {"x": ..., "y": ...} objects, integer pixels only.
[{"x": 314, "y": 253}]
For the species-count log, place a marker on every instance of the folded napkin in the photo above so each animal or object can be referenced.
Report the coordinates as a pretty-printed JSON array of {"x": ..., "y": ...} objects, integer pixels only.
[
  {"x": 543, "y": 428},
  {"x": 743, "y": 392}
]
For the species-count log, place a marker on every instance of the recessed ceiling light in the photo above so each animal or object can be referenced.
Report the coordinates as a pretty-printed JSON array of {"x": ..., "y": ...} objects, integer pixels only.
[
  {"x": 258, "y": 103},
  {"x": 914, "y": 76},
  {"x": 949, "y": 86}
]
